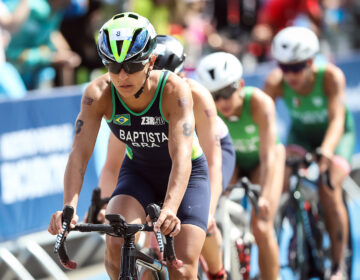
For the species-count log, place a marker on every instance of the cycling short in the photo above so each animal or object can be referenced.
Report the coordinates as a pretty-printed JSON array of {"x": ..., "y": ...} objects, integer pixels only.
[
  {"x": 344, "y": 149},
  {"x": 228, "y": 160},
  {"x": 148, "y": 184}
]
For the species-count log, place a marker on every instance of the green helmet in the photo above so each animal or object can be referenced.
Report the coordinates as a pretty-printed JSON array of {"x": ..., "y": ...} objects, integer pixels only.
[{"x": 126, "y": 36}]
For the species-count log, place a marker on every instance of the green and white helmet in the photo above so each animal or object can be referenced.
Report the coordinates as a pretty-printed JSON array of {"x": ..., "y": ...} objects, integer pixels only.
[{"x": 126, "y": 36}]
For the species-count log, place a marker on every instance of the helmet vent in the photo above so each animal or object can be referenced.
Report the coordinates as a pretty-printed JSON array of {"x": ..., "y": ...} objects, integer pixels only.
[
  {"x": 133, "y": 16},
  {"x": 296, "y": 48},
  {"x": 225, "y": 65},
  {"x": 118, "y": 16},
  {"x": 107, "y": 38},
  {"x": 212, "y": 73},
  {"x": 136, "y": 33},
  {"x": 119, "y": 45}
]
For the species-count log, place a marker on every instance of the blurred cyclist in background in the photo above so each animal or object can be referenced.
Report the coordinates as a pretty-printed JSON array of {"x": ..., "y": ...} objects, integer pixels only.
[
  {"x": 250, "y": 116},
  {"x": 151, "y": 112},
  {"x": 214, "y": 139},
  {"x": 315, "y": 98}
]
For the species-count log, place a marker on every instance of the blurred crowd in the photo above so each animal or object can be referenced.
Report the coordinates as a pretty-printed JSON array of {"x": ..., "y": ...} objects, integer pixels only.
[{"x": 51, "y": 43}]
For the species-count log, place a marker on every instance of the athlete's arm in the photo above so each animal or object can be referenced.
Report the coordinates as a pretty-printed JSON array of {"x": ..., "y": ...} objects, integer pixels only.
[
  {"x": 209, "y": 138},
  {"x": 273, "y": 84},
  {"x": 110, "y": 172},
  {"x": 177, "y": 107},
  {"x": 334, "y": 88},
  {"x": 13, "y": 21},
  {"x": 263, "y": 109},
  {"x": 86, "y": 128}
]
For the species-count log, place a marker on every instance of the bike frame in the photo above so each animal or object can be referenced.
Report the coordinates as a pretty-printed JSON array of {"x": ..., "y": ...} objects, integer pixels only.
[
  {"x": 304, "y": 223},
  {"x": 131, "y": 256}
]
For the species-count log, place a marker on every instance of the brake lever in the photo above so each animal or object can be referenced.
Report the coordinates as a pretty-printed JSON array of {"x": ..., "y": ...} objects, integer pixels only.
[
  {"x": 154, "y": 213},
  {"x": 59, "y": 247},
  {"x": 67, "y": 215}
]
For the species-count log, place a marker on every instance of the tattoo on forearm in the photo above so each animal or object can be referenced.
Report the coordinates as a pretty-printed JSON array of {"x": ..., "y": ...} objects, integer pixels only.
[
  {"x": 87, "y": 101},
  {"x": 82, "y": 173},
  {"x": 183, "y": 102},
  {"x": 78, "y": 125},
  {"x": 209, "y": 113},
  {"x": 187, "y": 129}
]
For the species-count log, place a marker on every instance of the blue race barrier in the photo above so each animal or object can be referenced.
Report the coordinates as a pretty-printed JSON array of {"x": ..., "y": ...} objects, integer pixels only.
[{"x": 35, "y": 140}]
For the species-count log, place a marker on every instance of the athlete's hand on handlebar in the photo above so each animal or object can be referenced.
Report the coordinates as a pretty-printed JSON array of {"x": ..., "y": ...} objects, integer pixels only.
[
  {"x": 55, "y": 225},
  {"x": 168, "y": 222}
]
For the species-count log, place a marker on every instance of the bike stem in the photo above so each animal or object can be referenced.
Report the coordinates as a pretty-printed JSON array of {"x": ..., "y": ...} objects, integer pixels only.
[{"x": 128, "y": 259}]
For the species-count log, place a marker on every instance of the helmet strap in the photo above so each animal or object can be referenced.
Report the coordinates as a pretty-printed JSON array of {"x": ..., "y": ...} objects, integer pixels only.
[{"x": 139, "y": 92}]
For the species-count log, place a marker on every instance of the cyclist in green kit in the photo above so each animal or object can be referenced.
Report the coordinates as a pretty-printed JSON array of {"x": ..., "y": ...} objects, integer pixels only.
[
  {"x": 250, "y": 116},
  {"x": 315, "y": 98}
]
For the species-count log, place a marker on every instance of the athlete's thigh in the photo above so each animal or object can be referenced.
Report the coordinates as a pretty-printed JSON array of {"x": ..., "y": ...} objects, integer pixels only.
[
  {"x": 188, "y": 245},
  {"x": 127, "y": 206}
]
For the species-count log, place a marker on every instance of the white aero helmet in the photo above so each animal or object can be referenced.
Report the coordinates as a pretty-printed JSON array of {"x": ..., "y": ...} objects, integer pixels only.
[
  {"x": 294, "y": 44},
  {"x": 219, "y": 70}
]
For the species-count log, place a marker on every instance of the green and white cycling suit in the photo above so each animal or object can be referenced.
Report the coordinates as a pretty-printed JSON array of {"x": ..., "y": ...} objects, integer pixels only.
[
  {"x": 309, "y": 116},
  {"x": 245, "y": 135}
]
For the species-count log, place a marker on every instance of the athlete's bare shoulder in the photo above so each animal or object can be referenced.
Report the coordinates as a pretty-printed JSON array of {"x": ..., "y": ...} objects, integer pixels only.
[
  {"x": 98, "y": 87},
  {"x": 333, "y": 73},
  {"x": 273, "y": 83},
  {"x": 262, "y": 106},
  {"x": 176, "y": 86},
  {"x": 176, "y": 95},
  {"x": 198, "y": 90},
  {"x": 334, "y": 80},
  {"x": 261, "y": 100},
  {"x": 97, "y": 94}
]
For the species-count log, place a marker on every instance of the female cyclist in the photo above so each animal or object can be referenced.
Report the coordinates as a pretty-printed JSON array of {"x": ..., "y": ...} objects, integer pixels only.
[
  {"x": 315, "y": 97},
  {"x": 250, "y": 116},
  {"x": 151, "y": 112}
]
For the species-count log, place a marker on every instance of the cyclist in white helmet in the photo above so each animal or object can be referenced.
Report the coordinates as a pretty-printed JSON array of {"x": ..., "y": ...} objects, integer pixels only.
[
  {"x": 250, "y": 116},
  {"x": 151, "y": 112},
  {"x": 214, "y": 139},
  {"x": 315, "y": 98}
]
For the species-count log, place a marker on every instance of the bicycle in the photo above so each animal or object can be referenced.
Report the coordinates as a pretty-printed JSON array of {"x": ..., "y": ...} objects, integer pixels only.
[
  {"x": 233, "y": 221},
  {"x": 307, "y": 254},
  {"x": 132, "y": 259}
]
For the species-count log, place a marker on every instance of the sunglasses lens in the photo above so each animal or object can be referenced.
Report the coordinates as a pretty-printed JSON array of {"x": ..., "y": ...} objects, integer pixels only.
[
  {"x": 295, "y": 68},
  {"x": 224, "y": 93},
  {"x": 129, "y": 67},
  {"x": 114, "y": 67},
  {"x": 133, "y": 67}
]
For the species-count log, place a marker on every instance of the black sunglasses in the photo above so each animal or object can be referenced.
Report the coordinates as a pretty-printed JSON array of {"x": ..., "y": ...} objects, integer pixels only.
[
  {"x": 294, "y": 67},
  {"x": 129, "y": 67},
  {"x": 225, "y": 92}
]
